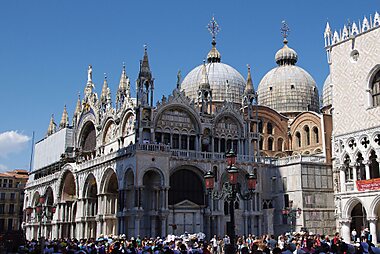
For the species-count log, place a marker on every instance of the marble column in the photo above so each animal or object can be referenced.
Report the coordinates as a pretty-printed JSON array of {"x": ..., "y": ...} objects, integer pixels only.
[
  {"x": 342, "y": 179},
  {"x": 345, "y": 229},
  {"x": 355, "y": 176},
  {"x": 373, "y": 228},
  {"x": 367, "y": 172}
]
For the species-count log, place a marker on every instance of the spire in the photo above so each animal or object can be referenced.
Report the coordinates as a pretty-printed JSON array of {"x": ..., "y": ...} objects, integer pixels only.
[
  {"x": 103, "y": 96},
  {"x": 52, "y": 126},
  {"x": 65, "y": 119},
  {"x": 204, "y": 82},
  {"x": 144, "y": 65},
  {"x": 213, "y": 56},
  {"x": 249, "y": 87},
  {"x": 327, "y": 30},
  {"x": 78, "y": 107}
]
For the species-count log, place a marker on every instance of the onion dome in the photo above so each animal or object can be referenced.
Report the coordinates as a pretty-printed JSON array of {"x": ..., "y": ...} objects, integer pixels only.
[
  {"x": 213, "y": 56},
  {"x": 327, "y": 92},
  {"x": 288, "y": 88},
  {"x": 286, "y": 55}
]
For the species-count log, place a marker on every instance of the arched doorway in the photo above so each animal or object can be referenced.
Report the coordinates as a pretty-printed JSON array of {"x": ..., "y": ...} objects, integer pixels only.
[
  {"x": 152, "y": 203},
  {"x": 49, "y": 202},
  {"x": 126, "y": 203},
  {"x": 359, "y": 218},
  {"x": 186, "y": 201},
  {"x": 109, "y": 202},
  {"x": 66, "y": 227},
  {"x": 90, "y": 194}
]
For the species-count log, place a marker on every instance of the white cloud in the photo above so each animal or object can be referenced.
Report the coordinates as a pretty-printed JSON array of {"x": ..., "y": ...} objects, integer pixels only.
[
  {"x": 12, "y": 142},
  {"x": 3, "y": 168}
]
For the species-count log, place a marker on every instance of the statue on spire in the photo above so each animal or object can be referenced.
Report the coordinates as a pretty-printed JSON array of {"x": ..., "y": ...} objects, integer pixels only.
[
  {"x": 285, "y": 30},
  {"x": 179, "y": 79},
  {"x": 89, "y": 74}
]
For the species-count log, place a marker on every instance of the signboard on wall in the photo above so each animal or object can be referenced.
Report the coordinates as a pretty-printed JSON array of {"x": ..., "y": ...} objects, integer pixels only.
[{"x": 370, "y": 184}]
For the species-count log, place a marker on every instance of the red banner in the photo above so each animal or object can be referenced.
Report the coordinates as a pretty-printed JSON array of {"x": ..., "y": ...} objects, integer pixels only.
[{"x": 371, "y": 184}]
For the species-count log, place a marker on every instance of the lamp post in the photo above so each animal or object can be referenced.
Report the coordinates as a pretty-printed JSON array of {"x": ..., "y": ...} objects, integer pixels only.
[
  {"x": 231, "y": 190},
  {"x": 42, "y": 211},
  {"x": 292, "y": 214}
]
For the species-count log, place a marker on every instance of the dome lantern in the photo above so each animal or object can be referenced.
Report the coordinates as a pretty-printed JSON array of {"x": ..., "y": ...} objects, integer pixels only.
[{"x": 213, "y": 56}]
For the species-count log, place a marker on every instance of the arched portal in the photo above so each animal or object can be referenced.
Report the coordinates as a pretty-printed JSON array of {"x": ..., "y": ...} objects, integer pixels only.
[
  {"x": 152, "y": 202},
  {"x": 359, "y": 218},
  {"x": 68, "y": 195},
  {"x": 109, "y": 202},
  {"x": 90, "y": 194},
  {"x": 186, "y": 201}
]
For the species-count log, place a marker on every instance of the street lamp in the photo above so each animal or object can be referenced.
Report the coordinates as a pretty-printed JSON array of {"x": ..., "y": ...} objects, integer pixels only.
[
  {"x": 291, "y": 214},
  {"x": 42, "y": 211},
  {"x": 231, "y": 190}
]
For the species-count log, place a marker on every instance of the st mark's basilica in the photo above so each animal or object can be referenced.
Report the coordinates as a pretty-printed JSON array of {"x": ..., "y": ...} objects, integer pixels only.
[{"x": 128, "y": 165}]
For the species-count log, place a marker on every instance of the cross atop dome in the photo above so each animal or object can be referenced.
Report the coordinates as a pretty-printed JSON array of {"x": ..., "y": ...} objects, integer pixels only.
[
  {"x": 213, "y": 56},
  {"x": 285, "y": 31},
  {"x": 213, "y": 28}
]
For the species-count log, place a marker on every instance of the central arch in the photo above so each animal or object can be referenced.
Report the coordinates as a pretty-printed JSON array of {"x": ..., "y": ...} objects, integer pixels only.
[{"x": 186, "y": 200}]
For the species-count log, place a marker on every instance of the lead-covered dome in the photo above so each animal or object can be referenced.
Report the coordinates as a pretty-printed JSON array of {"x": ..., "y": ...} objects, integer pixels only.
[
  {"x": 226, "y": 83},
  {"x": 327, "y": 92},
  {"x": 288, "y": 88}
]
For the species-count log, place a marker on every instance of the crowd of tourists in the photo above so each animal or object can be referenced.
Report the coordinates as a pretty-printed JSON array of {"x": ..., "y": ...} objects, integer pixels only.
[{"x": 296, "y": 243}]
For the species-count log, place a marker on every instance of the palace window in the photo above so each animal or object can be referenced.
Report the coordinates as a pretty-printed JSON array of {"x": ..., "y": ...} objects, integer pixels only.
[{"x": 376, "y": 90}]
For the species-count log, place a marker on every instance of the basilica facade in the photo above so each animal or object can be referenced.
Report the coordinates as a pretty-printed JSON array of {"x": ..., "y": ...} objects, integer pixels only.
[{"x": 135, "y": 167}]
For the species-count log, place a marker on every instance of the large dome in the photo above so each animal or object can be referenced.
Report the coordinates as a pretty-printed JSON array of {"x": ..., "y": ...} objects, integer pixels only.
[
  {"x": 288, "y": 88},
  {"x": 226, "y": 83},
  {"x": 327, "y": 92}
]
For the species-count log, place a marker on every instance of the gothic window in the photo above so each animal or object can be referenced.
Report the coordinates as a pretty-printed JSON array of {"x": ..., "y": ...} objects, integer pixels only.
[
  {"x": 316, "y": 135},
  {"x": 373, "y": 165},
  {"x": 166, "y": 138},
  {"x": 360, "y": 168},
  {"x": 307, "y": 134},
  {"x": 348, "y": 170},
  {"x": 280, "y": 142},
  {"x": 269, "y": 128},
  {"x": 222, "y": 145},
  {"x": 261, "y": 143},
  {"x": 298, "y": 139},
  {"x": 192, "y": 143},
  {"x": 216, "y": 145},
  {"x": 270, "y": 144},
  {"x": 376, "y": 90},
  {"x": 158, "y": 136}
]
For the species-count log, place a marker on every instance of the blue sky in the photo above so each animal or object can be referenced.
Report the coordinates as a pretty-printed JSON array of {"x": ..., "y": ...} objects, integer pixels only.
[{"x": 46, "y": 46}]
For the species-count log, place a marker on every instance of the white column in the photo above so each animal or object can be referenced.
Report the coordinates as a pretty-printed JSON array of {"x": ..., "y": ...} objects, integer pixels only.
[
  {"x": 345, "y": 230},
  {"x": 355, "y": 175},
  {"x": 367, "y": 173},
  {"x": 342, "y": 180},
  {"x": 373, "y": 229}
]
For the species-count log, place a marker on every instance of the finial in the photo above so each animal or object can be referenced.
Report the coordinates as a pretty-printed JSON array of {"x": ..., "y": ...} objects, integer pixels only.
[
  {"x": 249, "y": 67},
  {"x": 105, "y": 76},
  {"x": 123, "y": 66},
  {"x": 213, "y": 28},
  {"x": 285, "y": 31},
  {"x": 145, "y": 47}
]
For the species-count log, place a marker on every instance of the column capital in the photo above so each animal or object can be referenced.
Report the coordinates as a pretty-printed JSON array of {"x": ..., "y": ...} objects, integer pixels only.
[
  {"x": 345, "y": 220},
  {"x": 372, "y": 219}
]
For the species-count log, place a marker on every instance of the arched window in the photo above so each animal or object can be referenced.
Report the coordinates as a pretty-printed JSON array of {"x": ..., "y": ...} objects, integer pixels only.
[
  {"x": 261, "y": 143},
  {"x": 316, "y": 135},
  {"x": 270, "y": 144},
  {"x": 374, "y": 165},
  {"x": 260, "y": 126},
  {"x": 348, "y": 169},
  {"x": 307, "y": 134},
  {"x": 375, "y": 87},
  {"x": 269, "y": 128},
  {"x": 280, "y": 142},
  {"x": 298, "y": 139}
]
